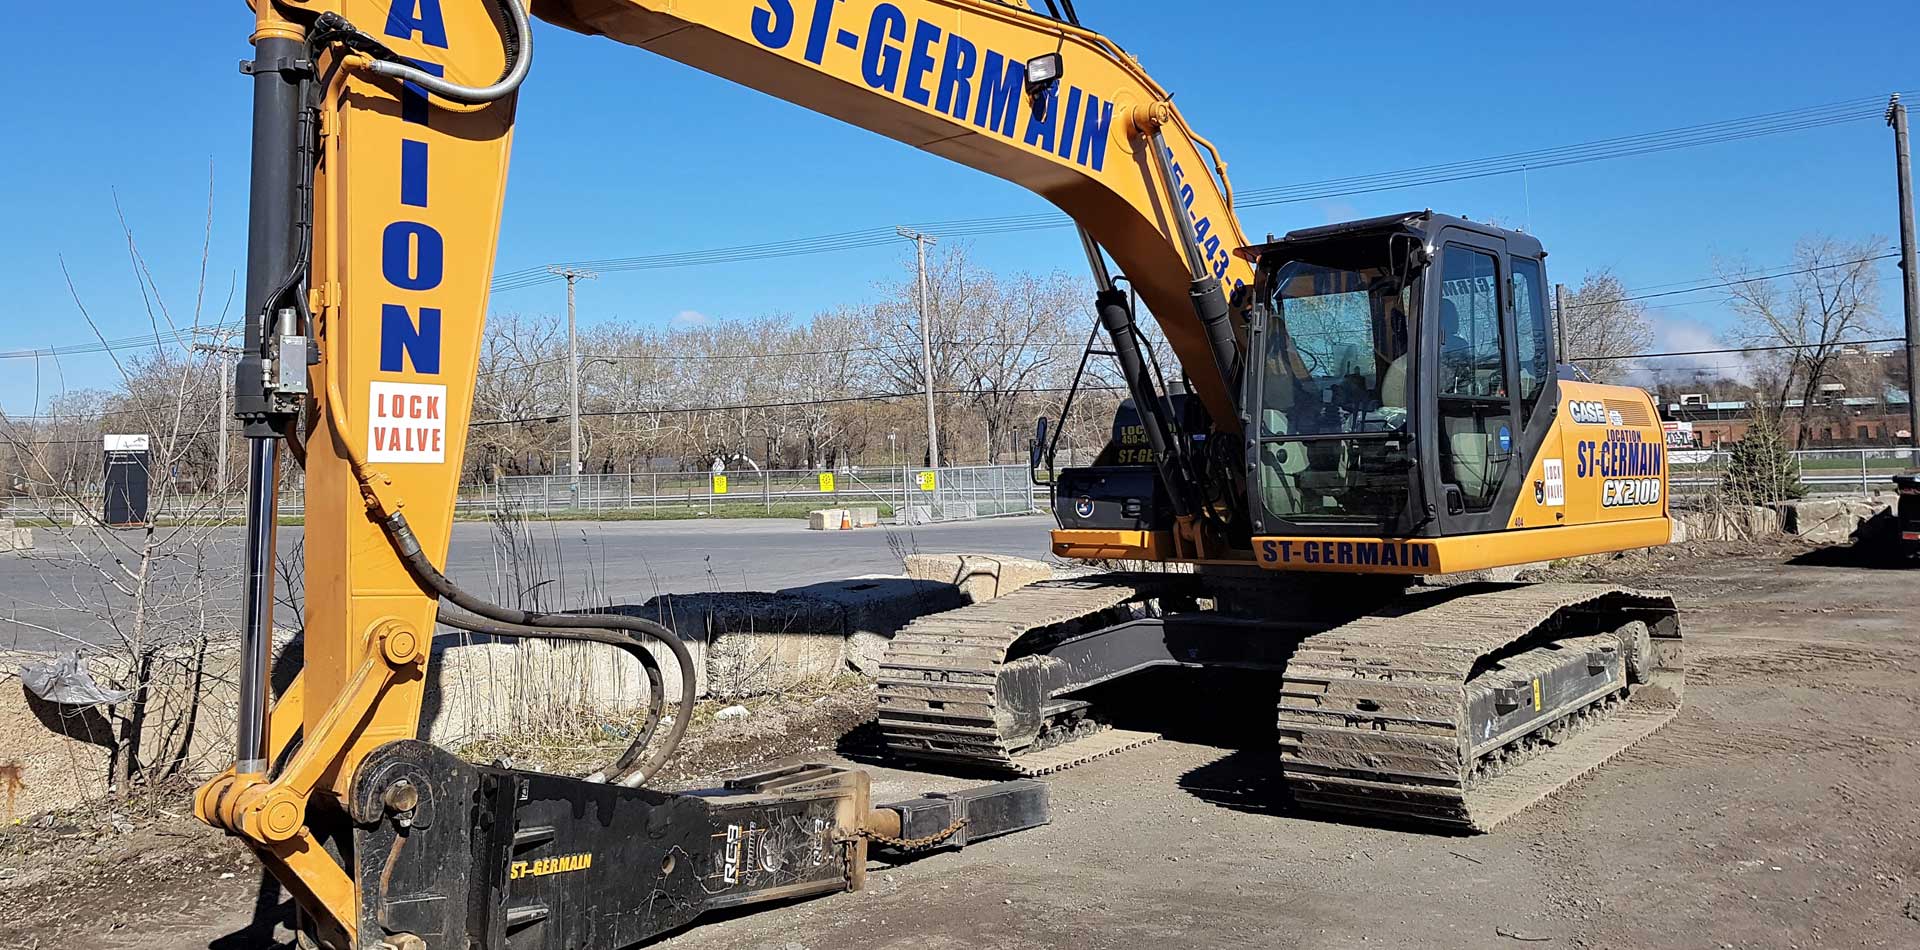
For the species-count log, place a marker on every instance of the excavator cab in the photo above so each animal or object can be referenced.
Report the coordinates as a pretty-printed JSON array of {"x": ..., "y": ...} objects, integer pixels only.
[{"x": 1398, "y": 366}]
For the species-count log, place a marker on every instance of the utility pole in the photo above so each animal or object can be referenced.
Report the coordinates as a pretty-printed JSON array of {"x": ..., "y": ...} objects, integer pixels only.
[
  {"x": 1909, "y": 273},
  {"x": 225, "y": 350},
  {"x": 573, "y": 381},
  {"x": 1560, "y": 324},
  {"x": 920, "y": 242}
]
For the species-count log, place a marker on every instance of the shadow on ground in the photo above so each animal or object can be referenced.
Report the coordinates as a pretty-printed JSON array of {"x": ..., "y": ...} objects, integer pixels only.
[{"x": 1873, "y": 556}]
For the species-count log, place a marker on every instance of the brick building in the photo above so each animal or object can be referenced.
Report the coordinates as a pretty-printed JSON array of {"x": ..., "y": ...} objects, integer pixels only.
[{"x": 1836, "y": 421}]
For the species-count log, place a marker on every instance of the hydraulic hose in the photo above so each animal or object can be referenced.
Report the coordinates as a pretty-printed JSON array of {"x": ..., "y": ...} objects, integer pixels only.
[
  {"x": 516, "y": 36},
  {"x": 656, "y": 691},
  {"x": 614, "y": 629}
]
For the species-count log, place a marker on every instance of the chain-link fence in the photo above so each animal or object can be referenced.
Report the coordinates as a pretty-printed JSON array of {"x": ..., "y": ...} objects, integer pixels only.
[
  {"x": 1865, "y": 471},
  {"x": 909, "y": 494},
  {"x": 905, "y": 493}
]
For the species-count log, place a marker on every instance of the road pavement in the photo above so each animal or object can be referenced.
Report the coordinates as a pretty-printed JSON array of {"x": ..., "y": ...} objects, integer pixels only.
[{"x": 52, "y": 598}]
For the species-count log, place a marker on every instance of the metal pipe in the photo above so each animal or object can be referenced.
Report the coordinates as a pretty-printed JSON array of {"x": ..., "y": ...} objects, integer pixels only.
[
  {"x": 276, "y": 186},
  {"x": 256, "y": 636},
  {"x": 274, "y": 211},
  {"x": 1560, "y": 326},
  {"x": 1189, "y": 238},
  {"x": 1102, "y": 279},
  {"x": 519, "y": 46},
  {"x": 1209, "y": 299},
  {"x": 1909, "y": 269},
  {"x": 1117, "y": 318}
]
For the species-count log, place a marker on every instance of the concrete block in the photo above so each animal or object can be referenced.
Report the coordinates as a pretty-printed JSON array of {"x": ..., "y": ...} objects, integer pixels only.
[
  {"x": 979, "y": 577},
  {"x": 866, "y": 517},
  {"x": 1825, "y": 520},
  {"x": 756, "y": 642},
  {"x": 1734, "y": 523},
  {"x": 13, "y": 538},
  {"x": 827, "y": 519},
  {"x": 479, "y": 686},
  {"x": 873, "y": 609}
]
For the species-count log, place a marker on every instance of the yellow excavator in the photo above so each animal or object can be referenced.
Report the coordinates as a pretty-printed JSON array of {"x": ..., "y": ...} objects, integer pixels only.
[{"x": 1354, "y": 411}]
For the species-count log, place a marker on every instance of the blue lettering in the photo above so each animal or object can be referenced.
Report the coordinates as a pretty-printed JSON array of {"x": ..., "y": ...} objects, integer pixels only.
[
  {"x": 413, "y": 99},
  {"x": 1071, "y": 119},
  {"x": 920, "y": 62},
  {"x": 1001, "y": 81},
  {"x": 1269, "y": 551},
  {"x": 413, "y": 173},
  {"x": 1388, "y": 556},
  {"x": 1286, "y": 551},
  {"x": 1093, "y": 133},
  {"x": 1312, "y": 552},
  {"x": 773, "y": 26},
  {"x": 880, "y": 65},
  {"x": 402, "y": 22},
  {"x": 401, "y": 340},
  {"x": 817, "y": 30},
  {"x": 1367, "y": 553},
  {"x": 1422, "y": 555},
  {"x": 399, "y": 262},
  {"x": 1040, "y": 122},
  {"x": 1346, "y": 552},
  {"x": 956, "y": 72}
]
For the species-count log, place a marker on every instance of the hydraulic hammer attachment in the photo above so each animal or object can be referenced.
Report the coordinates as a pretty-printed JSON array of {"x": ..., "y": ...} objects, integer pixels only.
[{"x": 451, "y": 854}]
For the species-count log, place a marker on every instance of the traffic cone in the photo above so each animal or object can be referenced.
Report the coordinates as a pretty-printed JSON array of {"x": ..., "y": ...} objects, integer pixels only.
[{"x": 846, "y": 520}]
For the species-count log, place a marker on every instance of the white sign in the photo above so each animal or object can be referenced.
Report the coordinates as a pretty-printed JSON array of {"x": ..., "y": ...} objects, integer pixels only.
[
  {"x": 1679, "y": 434},
  {"x": 1554, "y": 493},
  {"x": 127, "y": 443},
  {"x": 406, "y": 422}
]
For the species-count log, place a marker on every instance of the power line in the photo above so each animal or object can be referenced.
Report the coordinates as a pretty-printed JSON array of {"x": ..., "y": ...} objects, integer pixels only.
[
  {"x": 1683, "y": 137},
  {"x": 1723, "y": 284},
  {"x": 1739, "y": 349},
  {"x": 740, "y": 407},
  {"x": 143, "y": 341},
  {"x": 586, "y": 358}
]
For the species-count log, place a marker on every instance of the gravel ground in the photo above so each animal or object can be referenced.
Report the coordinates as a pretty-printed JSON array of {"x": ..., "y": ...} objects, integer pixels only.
[{"x": 1780, "y": 810}]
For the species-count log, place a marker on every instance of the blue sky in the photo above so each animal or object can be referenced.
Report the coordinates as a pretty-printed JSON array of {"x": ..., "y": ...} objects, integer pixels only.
[{"x": 620, "y": 153}]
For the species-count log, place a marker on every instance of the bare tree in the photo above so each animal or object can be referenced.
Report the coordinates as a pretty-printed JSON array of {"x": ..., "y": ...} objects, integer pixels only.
[
  {"x": 1831, "y": 299},
  {"x": 1022, "y": 342},
  {"x": 145, "y": 597},
  {"x": 1604, "y": 327}
]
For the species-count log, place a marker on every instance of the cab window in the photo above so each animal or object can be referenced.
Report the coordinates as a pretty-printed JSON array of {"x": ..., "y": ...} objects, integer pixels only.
[
  {"x": 1471, "y": 363},
  {"x": 1475, "y": 408},
  {"x": 1530, "y": 330}
]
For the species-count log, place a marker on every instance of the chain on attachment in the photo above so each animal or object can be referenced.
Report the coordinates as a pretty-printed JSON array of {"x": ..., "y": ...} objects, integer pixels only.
[{"x": 915, "y": 844}]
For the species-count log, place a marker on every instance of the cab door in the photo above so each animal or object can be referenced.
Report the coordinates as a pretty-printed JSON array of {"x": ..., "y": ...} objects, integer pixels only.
[{"x": 1472, "y": 429}]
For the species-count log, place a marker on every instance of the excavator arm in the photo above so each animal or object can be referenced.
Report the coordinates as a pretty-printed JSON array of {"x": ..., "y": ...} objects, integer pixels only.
[{"x": 381, "y": 136}]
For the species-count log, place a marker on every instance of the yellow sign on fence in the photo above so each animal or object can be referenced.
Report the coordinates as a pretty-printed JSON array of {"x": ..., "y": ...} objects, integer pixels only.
[
  {"x": 826, "y": 481},
  {"x": 719, "y": 484},
  {"x": 929, "y": 481}
]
